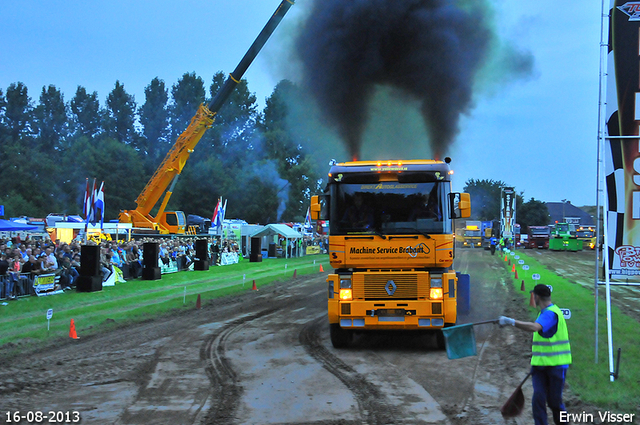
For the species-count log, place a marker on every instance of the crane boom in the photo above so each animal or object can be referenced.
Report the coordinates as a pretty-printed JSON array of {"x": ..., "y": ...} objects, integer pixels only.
[{"x": 171, "y": 167}]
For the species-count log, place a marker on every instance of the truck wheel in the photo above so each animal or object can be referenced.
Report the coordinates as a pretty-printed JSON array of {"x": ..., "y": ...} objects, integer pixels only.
[{"x": 340, "y": 338}]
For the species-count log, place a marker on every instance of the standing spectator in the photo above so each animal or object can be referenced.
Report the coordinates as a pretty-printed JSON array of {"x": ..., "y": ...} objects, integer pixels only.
[
  {"x": 7, "y": 278},
  {"x": 133, "y": 261}
]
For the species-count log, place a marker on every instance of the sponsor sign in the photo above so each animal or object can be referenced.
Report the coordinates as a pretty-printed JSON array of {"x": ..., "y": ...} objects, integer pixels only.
[
  {"x": 550, "y": 288},
  {"x": 508, "y": 212},
  {"x": 49, "y": 314},
  {"x": 45, "y": 284},
  {"x": 227, "y": 258},
  {"x": 313, "y": 250},
  {"x": 566, "y": 313},
  {"x": 417, "y": 252},
  {"x": 525, "y": 267},
  {"x": 622, "y": 158},
  {"x": 535, "y": 276},
  {"x": 517, "y": 257},
  {"x": 521, "y": 262}
]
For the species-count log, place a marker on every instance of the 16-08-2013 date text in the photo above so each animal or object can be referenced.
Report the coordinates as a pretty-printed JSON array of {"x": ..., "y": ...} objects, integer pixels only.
[{"x": 37, "y": 417}]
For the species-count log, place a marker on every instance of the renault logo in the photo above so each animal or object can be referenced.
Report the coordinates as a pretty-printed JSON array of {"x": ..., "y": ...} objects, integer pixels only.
[{"x": 391, "y": 287}]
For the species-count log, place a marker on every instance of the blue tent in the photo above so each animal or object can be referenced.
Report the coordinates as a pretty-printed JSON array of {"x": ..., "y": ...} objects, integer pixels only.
[{"x": 11, "y": 226}]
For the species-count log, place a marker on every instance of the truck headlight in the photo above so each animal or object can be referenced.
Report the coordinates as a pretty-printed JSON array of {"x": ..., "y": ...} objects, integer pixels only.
[
  {"x": 345, "y": 283},
  {"x": 346, "y": 294},
  {"x": 435, "y": 293}
]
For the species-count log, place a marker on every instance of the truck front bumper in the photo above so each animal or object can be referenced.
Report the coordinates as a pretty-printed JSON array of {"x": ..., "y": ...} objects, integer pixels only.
[{"x": 421, "y": 314}]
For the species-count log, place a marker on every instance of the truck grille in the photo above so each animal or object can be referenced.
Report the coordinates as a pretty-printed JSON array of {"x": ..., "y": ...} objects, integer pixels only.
[{"x": 409, "y": 286}]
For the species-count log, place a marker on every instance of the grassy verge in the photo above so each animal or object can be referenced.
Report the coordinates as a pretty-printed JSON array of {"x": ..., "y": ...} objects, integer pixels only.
[
  {"x": 23, "y": 323},
  {"x": 588, "y": 380}
]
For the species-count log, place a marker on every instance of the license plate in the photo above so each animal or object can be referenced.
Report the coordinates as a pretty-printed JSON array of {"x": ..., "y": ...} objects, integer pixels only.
[{"x": 390, "y": 312}]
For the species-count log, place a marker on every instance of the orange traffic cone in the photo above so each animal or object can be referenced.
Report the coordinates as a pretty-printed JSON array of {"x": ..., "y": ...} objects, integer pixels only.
[
  {"x": 198, "y": 303},
  {"x": 532, "y": 301},
  {"x": 513, "y": 268},
  {"x": 522, "y": 286},
  {"x": 321, "y": 269},
  {"x": 516, "y": 276},
  {"x": 72, "y": 330},
  {"x": 295, "y": 273},
  {"x": 505, "y": 258},
  {"x": 254, "y": 288}
]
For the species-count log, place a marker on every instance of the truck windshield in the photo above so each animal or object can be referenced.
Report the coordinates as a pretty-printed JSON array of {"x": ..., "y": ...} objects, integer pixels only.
[{"x": 390, "y": 208}]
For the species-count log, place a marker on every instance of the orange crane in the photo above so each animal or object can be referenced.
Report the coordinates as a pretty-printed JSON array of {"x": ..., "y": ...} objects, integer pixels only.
[{"x": 166, "y": 175}]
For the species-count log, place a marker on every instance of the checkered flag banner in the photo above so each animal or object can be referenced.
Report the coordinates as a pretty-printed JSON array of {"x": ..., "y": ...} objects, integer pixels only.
[{"x": 622, "y": 155}]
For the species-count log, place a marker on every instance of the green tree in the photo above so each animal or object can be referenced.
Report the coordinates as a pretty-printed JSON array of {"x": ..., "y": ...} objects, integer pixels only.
[
  {"x": 234, "y": 130},
  {"x": 18, "y": 112},
  {"x": 120, "y": 117},
  {"x": 51, "y": 123},
  {"x": 3, "y": 110},
  {"x": 122, "y": 182},
  {"x": 85, "y": 110},
  {"x": 295, "y": 165},
  {"x": 485, "y": 198},
  {"x": 532, "y": 213},
  {"x": 154, "y": 118},
  {"x": 187, "y": 95}
]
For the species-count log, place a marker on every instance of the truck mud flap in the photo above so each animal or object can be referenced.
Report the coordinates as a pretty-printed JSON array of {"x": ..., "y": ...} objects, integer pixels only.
[{"x": 464, "y": 293}]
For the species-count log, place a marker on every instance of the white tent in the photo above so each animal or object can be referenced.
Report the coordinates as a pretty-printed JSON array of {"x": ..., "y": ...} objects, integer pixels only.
[{"x": 279, "y": 229}]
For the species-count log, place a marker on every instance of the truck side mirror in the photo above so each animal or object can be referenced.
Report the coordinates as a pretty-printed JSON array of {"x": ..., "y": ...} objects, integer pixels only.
[
  {"x": 315, "y": 207},
  {"x": 460, "y": 205}
]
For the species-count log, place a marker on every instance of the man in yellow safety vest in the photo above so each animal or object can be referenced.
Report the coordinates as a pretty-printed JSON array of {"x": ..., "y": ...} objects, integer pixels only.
[{"x": 550, "y": 357}]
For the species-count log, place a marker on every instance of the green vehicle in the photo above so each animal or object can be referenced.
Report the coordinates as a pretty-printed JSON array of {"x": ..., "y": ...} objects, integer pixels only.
[{"x": 563, "y": 238}]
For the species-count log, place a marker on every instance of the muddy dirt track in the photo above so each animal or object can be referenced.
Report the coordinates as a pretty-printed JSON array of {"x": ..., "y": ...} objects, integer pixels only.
[{"x": 264, "y": 357}]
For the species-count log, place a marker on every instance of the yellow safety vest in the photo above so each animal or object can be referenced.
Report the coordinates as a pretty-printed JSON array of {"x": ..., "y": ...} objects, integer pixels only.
[{"x": 554, "y": 351}]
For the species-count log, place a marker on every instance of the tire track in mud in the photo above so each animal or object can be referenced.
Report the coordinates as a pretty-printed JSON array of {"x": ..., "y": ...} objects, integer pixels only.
[
  {"x": 373, "y": 405},
  {"x": 227, "y": 389}
]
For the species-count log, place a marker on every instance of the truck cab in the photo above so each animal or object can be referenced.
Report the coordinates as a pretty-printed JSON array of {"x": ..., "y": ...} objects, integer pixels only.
[{"x": 391, "y": 246}]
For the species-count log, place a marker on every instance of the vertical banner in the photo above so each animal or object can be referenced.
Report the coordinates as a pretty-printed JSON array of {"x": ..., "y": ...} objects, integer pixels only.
[
  {"x": 622, "y": 154},
  {"x": 508, "y": 212}
]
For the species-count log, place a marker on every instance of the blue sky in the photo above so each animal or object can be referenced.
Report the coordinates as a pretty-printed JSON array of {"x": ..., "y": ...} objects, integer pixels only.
[{"x": 538, "y": 134}]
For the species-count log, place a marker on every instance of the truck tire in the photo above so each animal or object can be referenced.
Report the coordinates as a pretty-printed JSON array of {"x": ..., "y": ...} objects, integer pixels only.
[{"x": 340, "y": 338}]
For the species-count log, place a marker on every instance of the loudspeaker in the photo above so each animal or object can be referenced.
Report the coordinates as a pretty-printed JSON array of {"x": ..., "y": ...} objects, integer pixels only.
[
  {"x": 256, "y": 245},
  {"x": 151, "y": 273},
  {"x": 150, "y": 254},
  {"x": 202, "y": 255},
  {"x": 90, "y": 260},
  {"x": 202, "y": 249},
  {"x": 89, "y": 283},
  {"x": 150, "y": 269},
  {"x": 201, "y": 265}
]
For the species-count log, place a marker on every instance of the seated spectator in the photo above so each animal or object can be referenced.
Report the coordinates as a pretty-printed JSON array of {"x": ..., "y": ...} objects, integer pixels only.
[
  {"x": 105, "y": 264},
  {"x": 49, "y": 261},
  {"x": 33, "y": 267},
  {"x": 68, "y": 274}
]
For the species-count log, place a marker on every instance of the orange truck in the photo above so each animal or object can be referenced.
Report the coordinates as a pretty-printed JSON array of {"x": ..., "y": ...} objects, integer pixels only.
[{"x": 391, "y": 247}]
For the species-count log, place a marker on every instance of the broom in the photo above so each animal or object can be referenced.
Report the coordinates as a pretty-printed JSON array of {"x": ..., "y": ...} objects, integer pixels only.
[{"x": 514, "y": 405}]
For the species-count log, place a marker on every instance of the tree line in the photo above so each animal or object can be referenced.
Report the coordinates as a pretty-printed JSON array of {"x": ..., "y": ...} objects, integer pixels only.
[{"x": 50, "y": 146}]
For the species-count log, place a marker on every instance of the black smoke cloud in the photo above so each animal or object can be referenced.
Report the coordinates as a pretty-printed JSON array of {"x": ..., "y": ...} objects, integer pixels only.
[{"x": 427, "y": 49}]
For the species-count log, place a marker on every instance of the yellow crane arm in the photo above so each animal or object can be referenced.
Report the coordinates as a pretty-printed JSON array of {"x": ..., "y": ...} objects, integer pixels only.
[{"x": 166, "y": 174}]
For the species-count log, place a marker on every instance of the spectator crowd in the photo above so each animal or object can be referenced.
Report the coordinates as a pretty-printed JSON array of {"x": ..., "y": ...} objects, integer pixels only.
[{"x": 21, "y": 261}]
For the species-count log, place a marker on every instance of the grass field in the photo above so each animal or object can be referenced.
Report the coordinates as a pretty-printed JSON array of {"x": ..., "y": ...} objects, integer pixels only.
[
  {"x": 23, "y": 322},
  {"x": 588, "y": 380}
]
